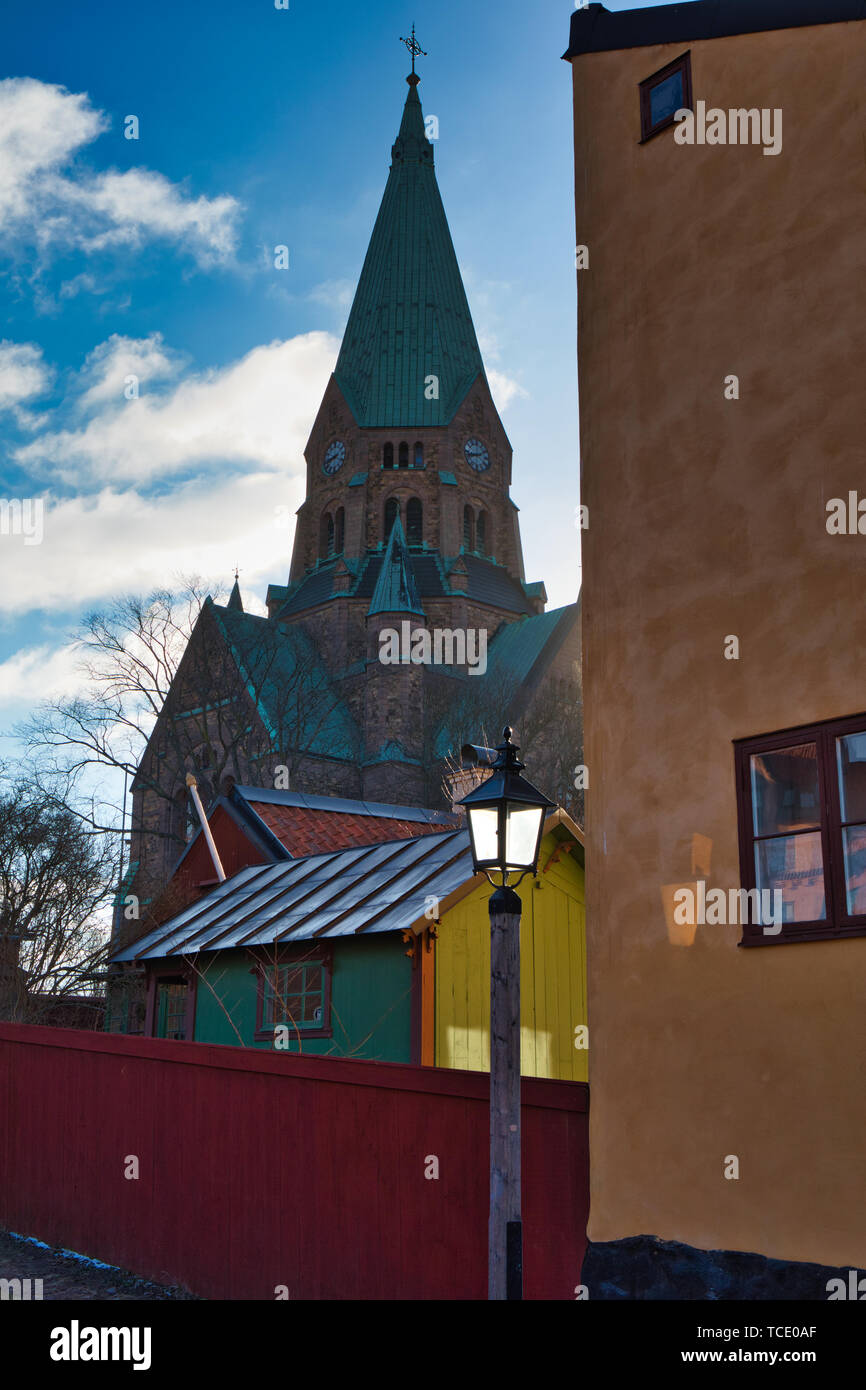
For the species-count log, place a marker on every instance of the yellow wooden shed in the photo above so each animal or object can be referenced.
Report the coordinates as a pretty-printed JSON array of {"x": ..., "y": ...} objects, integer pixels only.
[{"x": 454, "y": 960}]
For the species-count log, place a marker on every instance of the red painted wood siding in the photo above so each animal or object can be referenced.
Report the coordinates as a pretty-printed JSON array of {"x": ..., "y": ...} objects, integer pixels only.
[
  {"x": 236, "y": 851},
  {"x": 258, "y": 1170}
]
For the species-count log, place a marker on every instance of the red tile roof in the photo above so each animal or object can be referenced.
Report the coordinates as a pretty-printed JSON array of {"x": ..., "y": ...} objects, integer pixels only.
[{"x": 305, "y": 831}]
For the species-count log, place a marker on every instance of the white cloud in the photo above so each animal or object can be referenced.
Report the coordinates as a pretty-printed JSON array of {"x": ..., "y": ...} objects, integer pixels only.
[
  {"x": 107, "y": 367},
  {"x": 254, "y": 414},
  {"x": 257, "y": 411},
  {"x": 334, "y": 294},
  {"x": 42, "y": 126},
  {"x": 45, "y": 670},
  {"x": 504, "y": 388},
  {"x": 120, "y": 542},
  {"x": 23, "y": 376}
]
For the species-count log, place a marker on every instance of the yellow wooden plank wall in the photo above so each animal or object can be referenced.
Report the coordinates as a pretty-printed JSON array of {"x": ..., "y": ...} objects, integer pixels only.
[{"x": 552, "y": 976}]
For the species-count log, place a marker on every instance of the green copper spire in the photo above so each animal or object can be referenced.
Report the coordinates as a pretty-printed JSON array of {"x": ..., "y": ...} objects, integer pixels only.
[
  {"x": 235, "y": 601},
  {"x": 409, "y": 353},
  {"x": 396, "y": 590}
]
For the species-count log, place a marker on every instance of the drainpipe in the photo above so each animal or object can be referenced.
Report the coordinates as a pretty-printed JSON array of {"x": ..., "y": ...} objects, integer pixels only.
[{"x": 193, "y": 788}]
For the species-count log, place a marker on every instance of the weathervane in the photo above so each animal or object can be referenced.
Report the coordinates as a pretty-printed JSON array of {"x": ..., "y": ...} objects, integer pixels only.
[{"x": 414, "y": 48}]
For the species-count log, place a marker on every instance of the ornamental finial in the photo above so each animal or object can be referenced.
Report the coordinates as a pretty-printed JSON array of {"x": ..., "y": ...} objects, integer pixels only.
[{"x": 416, "y": 50}]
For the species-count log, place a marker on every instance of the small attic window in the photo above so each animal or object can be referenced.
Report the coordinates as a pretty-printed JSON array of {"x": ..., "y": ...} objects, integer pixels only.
[{"x": 663, "y": 94}]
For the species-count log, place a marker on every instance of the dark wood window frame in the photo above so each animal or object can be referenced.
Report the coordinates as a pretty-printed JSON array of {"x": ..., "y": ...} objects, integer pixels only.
[
  {"x": 178, "y": 975},
  {"x": 683, "y": 64},
  {"x": 306, "y": 953},
  {"x": 838, "y": 923}
]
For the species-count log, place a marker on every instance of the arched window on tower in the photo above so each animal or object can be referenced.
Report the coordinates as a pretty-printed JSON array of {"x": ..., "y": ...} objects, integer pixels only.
[
  {"x": 326, "y": 536},
  {"x": 391, "y": 507},
  {"x": 388, "y": 456},
  {"x": 404, "y": 454},
  {"x": 468, "y": 528},
  {"x": 414, "y": 523},
  {"x": 418, "y": 454},
  {"x": 339, "y": 530},
  {"x": 481, "y": 533}
]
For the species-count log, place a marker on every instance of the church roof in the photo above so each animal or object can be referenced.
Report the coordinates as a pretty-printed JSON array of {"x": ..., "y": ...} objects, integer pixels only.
[
  {"x": 235, "y": 601},
  {"x": 487, "y": 583},
  {"x": 410, "y": 319},
  {"x": 396, "y": 590},
  {"x": 289, "y": 684},
  {"x": 518, "y": 646}
]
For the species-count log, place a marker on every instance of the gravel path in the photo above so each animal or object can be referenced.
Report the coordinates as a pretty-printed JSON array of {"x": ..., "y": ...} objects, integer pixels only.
[{"x": 66, "y": 1275}]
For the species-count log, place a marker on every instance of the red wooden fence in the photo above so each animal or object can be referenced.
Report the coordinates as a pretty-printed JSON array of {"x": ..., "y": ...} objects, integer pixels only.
[{"x": 258, "y": 1170}]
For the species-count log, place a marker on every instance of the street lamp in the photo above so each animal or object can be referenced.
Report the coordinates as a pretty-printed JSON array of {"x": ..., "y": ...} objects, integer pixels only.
[{"x": 506, "y": 821}]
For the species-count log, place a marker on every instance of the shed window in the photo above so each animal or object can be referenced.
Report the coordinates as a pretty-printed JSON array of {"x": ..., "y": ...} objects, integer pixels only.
[
  {"x": 663, "y": 94},
  {"x": 802, "y": 822},
  {"x": 170, "y": 1012},
  {"x": 296, "y": 994}
]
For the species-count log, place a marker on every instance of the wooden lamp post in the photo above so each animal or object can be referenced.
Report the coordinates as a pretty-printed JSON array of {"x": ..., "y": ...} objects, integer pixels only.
[{"x": 506, "y": 820}]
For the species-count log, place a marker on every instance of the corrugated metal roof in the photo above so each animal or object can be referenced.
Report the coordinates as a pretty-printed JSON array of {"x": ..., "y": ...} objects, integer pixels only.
[
  {"x": 343, "y": 805},
  {"x": 376, "y": 888}
]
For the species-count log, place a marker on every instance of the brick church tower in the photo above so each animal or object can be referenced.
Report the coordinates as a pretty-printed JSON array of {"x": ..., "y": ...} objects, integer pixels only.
[
  {"x": 408, "y": 469},
  {"x": 407, "y": 532}
]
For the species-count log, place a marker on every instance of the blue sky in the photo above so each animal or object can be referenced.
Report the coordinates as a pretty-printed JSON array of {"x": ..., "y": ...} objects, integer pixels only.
[{"x": 153, "y": 258}]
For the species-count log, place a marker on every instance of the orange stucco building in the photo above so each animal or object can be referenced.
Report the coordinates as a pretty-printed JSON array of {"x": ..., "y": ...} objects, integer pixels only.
[{"x": 721, "y": 341}]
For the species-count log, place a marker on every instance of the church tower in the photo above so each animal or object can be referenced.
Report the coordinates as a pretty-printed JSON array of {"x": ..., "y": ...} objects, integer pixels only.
[{"x": 407, "y": 440}]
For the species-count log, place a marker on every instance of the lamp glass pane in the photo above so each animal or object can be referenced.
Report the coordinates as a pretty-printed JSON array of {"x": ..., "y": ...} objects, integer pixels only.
[
  {"x": 484, "y": 821},
  {"x": 522, "y": 824}
]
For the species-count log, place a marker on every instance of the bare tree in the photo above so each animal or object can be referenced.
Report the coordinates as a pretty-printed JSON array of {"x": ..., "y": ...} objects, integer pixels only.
[
  {"x": 55, "y": 886},
  {"x": 548, "y": 724},
  {"x": 240, "y": 700}
]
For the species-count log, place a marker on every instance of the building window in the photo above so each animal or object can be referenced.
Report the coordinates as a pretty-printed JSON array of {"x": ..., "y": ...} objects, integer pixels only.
[
  {"x": 468, "y": 529},
  {"x": 171, "y": 1001},
  {"x": 414, "y": 523},
  {"x": 404, "y": 454},
  {"x": 802, "y": 821},
  {"x": 185, "y": 822},
  {"x": 326, "y": 536},
  {"x": 339, "y": 530},
  {"x": 392, "y": 507},
  {"x": 669, "y": 90},
  {"x": 418, "y": 454},
  {"x": 388, "y": 456},
  {"x": 481, "y": 534},
  {"x": 295, "y": 994}
]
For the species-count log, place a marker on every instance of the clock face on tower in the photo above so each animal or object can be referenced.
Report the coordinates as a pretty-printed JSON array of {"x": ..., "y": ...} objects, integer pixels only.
[
  {"x": 476, "y": 455},
  {"x": 334, "y": 458}
]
